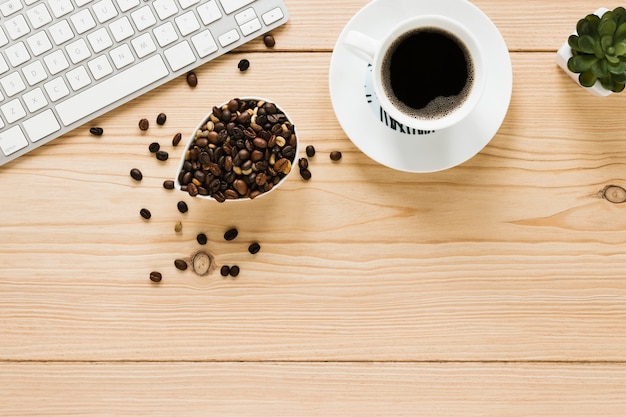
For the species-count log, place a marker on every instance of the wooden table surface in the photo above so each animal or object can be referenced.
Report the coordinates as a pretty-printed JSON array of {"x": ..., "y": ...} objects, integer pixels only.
[{"x": 495, "y": 288}]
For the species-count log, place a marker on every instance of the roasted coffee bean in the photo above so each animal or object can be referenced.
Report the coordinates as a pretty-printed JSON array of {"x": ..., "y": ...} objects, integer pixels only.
[
  {"x": 254, "y": 248},
  {"x": 161, "y": 118},
  {"x": 154, "y": 147},
  {"x": 303, "y": 163},
  {"x": 192, "y": 79},
  {"x": 156, "y": 276},
  {"x": 310, "y": 151},
  {"x": 192, "y": 189},
  {"x": 178, "y": 227},
  {"x": 305, "y": 174},
  {"x": 145, "y": 213},
  {"x": 202, "y": 239},
  {"x": 243, "y": 65},
  {"x": 269, "y": 41},
  {"x": 168, "y": 184},
  {"x": 96, "y": 131},
  {"x": 180, "y": 264},
  {"x": 234, "y": 271},
  {"x": 136, "y": 174},
  {"x": 335, "y": 155},
  {"x": 144, "y": 124},
  {"x": 225, "y": 270},
  {"x": 176, "y": 139},
  {"x": 241, "y": 186},
  {"x": 231, "y": 234},
  {"x": 182, "y": 207},
  {"x": 162, "y": 155}
]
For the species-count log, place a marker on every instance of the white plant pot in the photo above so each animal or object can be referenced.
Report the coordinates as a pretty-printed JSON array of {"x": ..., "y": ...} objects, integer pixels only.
[{"x": 565, "y": 52}]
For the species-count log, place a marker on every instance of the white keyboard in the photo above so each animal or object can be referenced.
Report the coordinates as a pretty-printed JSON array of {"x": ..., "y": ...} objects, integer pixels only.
[{"x": 65, "y": 62}]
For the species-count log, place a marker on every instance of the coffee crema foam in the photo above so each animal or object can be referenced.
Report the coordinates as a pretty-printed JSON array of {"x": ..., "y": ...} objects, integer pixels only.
[{"x": 445, "y": 91}]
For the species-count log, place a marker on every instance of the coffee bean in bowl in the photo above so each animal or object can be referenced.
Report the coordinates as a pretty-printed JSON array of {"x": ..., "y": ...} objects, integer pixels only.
[{"x": 243, "y": 149}]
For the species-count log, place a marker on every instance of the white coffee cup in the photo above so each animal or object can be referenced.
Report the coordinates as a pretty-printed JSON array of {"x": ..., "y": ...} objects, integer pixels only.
[{"x": 378, "y": 53}]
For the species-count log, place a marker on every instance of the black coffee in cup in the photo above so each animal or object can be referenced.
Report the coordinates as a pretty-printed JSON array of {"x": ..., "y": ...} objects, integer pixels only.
[{"x": 427, "y": 73}]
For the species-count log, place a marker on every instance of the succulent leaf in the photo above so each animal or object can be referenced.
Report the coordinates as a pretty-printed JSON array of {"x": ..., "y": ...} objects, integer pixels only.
[
  {"x": 612, "y": 59},
  {"x": 620, "y": 49},
  {"x": 600, "y": 69},
  {"x": 607, "y": 26},
  {"x": 587, "y": 79},
  {"x": 617, "y": 69},
  {"x": 582, "y": 63},
  {"x": 587, "y": 44},
  {"x": 572, "y": 41},
  {"x": 619, "y": 87},
  {"x": 620, "y": 34},
  {"x": 607, "y": 44}
]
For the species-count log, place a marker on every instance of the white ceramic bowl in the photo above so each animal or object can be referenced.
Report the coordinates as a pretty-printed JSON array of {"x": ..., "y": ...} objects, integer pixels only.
[{"x": 202, "y": 161}]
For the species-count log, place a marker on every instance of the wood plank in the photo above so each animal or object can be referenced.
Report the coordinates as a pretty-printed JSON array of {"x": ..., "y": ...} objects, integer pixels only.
[
  {"x": 512, "y": 256},
  {"x": 532, "y": 25},
  {"x": 319, "y": 389}
]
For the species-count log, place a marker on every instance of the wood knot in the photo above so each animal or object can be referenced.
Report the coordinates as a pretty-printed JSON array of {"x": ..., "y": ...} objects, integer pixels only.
[
  {"x": 614, "y": 194},
  {"x": 202, "y": 263}
]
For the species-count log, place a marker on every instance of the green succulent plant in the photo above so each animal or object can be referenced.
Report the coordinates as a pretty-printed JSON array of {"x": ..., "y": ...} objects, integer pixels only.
[{"x": 599, "y": 50}]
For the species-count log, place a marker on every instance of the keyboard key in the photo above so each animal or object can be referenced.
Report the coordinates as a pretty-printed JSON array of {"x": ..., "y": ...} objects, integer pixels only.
[
  {"x": 187, "y": 3},
  {"x": 4, "y": 67},
  {"x": 229, "y": 37},
  {"x": 126, "y": 5},
  {"x": 56, "y": 62},
  {"x": 61, "y": 32},
  {"x": 83, "y": 21},
  {"x": 187, "y": 23},
  {"x": 56, "y": 89},
  {"x": 60, "y": 7},
  {"x": 78, "y": 51},
  {"x": 232, "y": 5},
  {"x": 245, "y": 16},
  {"x": 105, "y": 10},
  {"x": 165, "y": 8},
  {"x": 209, "y": 12},
  {"x": 39, "y": 43},
  {"x": 41, "y": 125},
  {"x": 121, "y": 56},
  {"x": 3, "y": 38},
  {"x": 180, "y": 55},
  {"x": 78, "y": 78},
  {"x": 121, "y": 29},
  {"x": 273, "y": 16},
  {"x": 17, "y": 27},
  {"x": 34, "y": 73},
  {"x": 12, "y": 84},
  {"x": 11, "y": 6},
  {"x": 35, "y": 100},
  {"x": 204, "y": 43},
  {"x": 12, "y": 140},
  {"x": 13, "y": 111},
  {"x": 99, "y": 40},
  {"x": 250, "y": 27},
  {"x": 112, "y": 89},
  {"x": 100, "y": 67},
  {"x": 17, "y": 54},
  {"x": 143, "y": 45},
  {"x": 39, "y": 16},
  {"x": 165, "y": 34},
  {"x": 143, "y": 18}
]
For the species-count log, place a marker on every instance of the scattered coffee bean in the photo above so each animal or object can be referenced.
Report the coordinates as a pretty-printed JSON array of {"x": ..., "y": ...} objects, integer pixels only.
[
  {"x": 269, "y": 41},
  {"x": 180, "y": 264},
  {"x": 244, "y": 149},
  {"x": 136, "y": 174},
  {"x": 178, "y": 227},
  {"x": 168, "y": 184},
  {"x": 182, "y": 207},
  {"x": 154, "y": 147},
  {"x": 96, "y": 131},
  {"x": 254, "y": 248},
  {"x": 144, "y": 124},
  {"x": 234, "y": 271},
  {"x": 335, "y": 155},
  {"x": 225, "y": 270},
  {"x": 243, "y": 65},
  {"x": 305, "y": 174},
  {"x": 161, "y": 118},
  {"x": 156, "y": 276},
  {"x": 176, "y": 139},
  {"x": 310, "y": 151},
  {"x": 231, "y": 234},
  {"x": 303, "y": 163},
  {"x": 202, "y": 239},
  {"x": 192, "y": 79},
  {"x": 145, "y": 213},
  {"x": 162, "y": 155}
]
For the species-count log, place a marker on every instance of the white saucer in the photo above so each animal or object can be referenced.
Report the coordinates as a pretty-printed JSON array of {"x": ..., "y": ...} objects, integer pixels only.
[{"x": 367, "y": 126}]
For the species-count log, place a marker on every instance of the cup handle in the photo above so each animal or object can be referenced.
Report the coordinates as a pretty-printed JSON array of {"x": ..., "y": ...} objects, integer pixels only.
[{"x": 361, "y": 45}]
